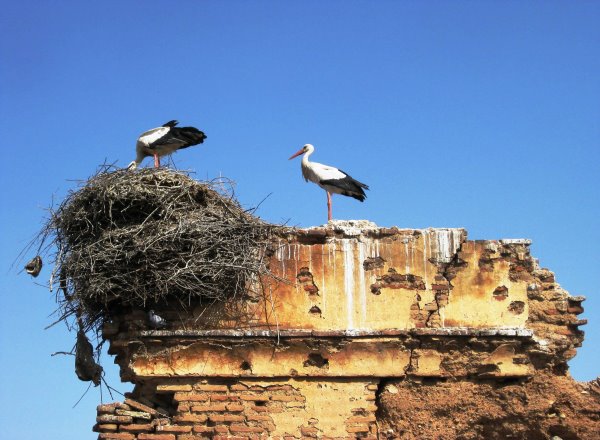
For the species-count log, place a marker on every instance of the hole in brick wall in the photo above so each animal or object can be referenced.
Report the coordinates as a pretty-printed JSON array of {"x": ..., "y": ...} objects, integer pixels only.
[
  {"x": 373, "y": 263},
  {"x": 304, "y": 275},
  {"x": 315, "y": 310},
  {"x": 316, "y": 360},
  {"x": 516, "y": 307},
  {"x": 433, "y": 380},
  {"x": 260, "y": 403},
  {"x": 500, "y": 293},
  {"x": 246, "y": 366},
  {"x": 375, "y": 290},
  {"x": 305, "y": 278}
]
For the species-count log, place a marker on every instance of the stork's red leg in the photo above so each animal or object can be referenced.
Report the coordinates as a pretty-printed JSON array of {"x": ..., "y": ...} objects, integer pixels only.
[
  {"x": 329, "y": 216},
  {"x": 156, "y": 161}
]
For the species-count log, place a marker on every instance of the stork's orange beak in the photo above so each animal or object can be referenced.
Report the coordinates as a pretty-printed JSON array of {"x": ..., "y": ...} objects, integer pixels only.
[{"x": 297, "y": 153}]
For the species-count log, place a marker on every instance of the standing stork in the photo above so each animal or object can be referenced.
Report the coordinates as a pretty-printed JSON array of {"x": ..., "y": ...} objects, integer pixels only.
[
  {"x": 165, "y": 140},
  {"x": 331, "y": 179}
]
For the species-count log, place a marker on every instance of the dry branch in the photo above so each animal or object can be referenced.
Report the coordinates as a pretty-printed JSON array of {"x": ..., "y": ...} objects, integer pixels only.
[{"x": 155, "y": 235}]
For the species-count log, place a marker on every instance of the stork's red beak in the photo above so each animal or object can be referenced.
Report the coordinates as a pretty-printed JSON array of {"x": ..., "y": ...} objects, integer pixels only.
[{"x": 297, "y": 153}]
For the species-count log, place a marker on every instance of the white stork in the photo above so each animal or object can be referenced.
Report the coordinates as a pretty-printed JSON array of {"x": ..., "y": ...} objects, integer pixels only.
[
  {"x": 331, "y": 179},
  {"x": 165, "y": 140}
]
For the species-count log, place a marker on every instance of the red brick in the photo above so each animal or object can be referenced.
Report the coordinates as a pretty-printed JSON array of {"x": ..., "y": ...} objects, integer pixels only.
[
  {"x": 257, "y": 388},
  {"x": 311, "y": 288},
  {"x": 134, "y": 414},
  {"x": 361, "y": 419},
  {"x": 235, "y": 407},
  {"x": 115, "y": 436},
  {"x": 174, "y": 428},
  {"x": 190, "y": 397},
  {"x": 199, "y": 428},
  {"x": 191, "y": 437},
  {"x": 565, "y": 331},
  {"x": 109, "y": 418},
  {"x": 140, "y": 406},
  {"x": 269, "y": 426},
  {"x": 280, "y": 388},
  {"x": 222, "y": 397},
  {"x": 551, "y": 312},
  {"x": 192, "y": 418},
  {"x": 238, "y": 387},
  {"x": 575, "y": 310},
  {"x": 156, "y": 437},
  {"x": 137, "y": 427},
  {"x": 372, "y": 387},
  {"x": 309, "y": 431},
  {"x": 357, "y": 428},
  {"x": 207, "y": 408},
  {"x": 254, "y": 397},
  {"x": 214, "y": 388},
  {"x": 109, "y": 408},
  {"x": 105, "y": 427},
  {"x": 223, "y": 429},
  {"x": 230, "y": 437},
  {"x": 172, "y": 388},
  {"x": 259, "y": 418},
  {"x": 237, "y": 428},
  {"x": 226, "y": 418}
]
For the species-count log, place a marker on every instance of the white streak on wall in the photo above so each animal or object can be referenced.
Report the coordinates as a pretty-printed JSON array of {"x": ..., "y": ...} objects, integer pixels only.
[
  {"x": 424, "y": 235},
  {"x": 361, "y": 281},
  {"x": 412, "y": 255},
  {"x": 406, "y": 268},
  {"x": 447, "y": 242},
  {"x": 295, "y": 265},
  {"x": 349, "y": 280},
  {"x": 323, "y": 288},
  {"x": 333, "y": 250}
]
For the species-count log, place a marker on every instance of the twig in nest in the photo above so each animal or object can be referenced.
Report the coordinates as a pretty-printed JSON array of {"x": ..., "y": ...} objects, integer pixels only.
[{"x": 127, "y": 239}]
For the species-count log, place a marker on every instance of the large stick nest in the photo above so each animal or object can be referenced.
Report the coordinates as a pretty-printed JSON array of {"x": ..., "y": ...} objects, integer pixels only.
[{"x": 151, "y": 236}]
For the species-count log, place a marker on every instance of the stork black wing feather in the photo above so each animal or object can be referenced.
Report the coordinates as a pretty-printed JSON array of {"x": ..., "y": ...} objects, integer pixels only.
[
  {"x": 190, "y": 135},
  {"x": 187, "y": 136},
  {"x": 360, "y": 184},
  {"x": 172, "y": 123},
  {"x": 348, "y": 186}
]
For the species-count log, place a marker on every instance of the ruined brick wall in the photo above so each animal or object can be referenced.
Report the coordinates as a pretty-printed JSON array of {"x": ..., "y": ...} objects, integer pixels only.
[
  {"x": 353, "y": 308},
  {"x": 243, "y": 409}
]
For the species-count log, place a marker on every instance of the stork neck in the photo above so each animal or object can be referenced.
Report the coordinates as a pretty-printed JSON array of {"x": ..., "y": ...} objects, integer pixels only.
[{"x": 306, "y": 156}]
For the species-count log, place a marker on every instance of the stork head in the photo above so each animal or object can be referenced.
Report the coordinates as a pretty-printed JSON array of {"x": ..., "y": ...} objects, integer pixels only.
[{"x": 307, "y": 148}]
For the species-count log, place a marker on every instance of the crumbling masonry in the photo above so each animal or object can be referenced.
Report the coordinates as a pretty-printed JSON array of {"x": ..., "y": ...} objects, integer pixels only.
[{"x": 354, "y": 306}]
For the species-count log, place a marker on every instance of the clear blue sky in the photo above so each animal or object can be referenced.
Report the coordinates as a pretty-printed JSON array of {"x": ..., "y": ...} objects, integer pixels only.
[{"x": 483, "y": 115}]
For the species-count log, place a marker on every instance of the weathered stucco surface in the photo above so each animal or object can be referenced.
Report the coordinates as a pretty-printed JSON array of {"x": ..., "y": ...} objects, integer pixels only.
[
  {"x": 352, "y": 306},
  {"x": 375, "y": 279}
]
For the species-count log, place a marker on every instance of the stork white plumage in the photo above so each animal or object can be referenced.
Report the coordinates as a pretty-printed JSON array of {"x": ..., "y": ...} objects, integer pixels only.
[
  {"x": 165, "y": 140},
  {"x": 331, "y": 179}
]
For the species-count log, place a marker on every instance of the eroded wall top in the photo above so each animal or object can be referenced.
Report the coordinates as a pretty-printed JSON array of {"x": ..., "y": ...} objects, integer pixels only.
[{"x": 356, "y": 276}]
